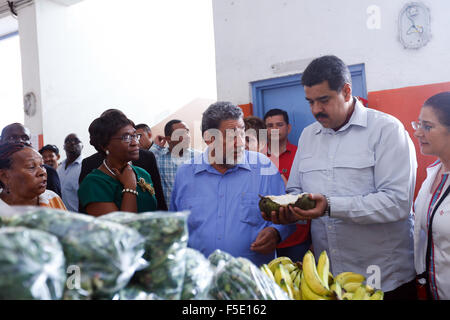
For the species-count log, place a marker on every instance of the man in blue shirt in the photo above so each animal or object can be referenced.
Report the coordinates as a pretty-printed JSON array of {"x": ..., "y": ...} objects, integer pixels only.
[
  {"x": 221, "y": 188},
  {"x": 360, "y": 165},
  {"x": 69, "y": 171}
]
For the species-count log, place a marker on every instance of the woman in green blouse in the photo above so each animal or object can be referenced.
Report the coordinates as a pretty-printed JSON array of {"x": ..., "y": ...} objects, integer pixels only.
[{"x": 116, "y": 185}]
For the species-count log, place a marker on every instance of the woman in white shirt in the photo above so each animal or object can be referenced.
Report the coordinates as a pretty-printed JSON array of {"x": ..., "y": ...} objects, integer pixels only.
[{"x": 432, "y": 215}]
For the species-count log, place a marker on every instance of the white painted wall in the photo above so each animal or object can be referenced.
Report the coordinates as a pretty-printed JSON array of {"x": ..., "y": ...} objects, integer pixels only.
[
  {"x": 253, "y": 35},
  {"x": 147, "y": 58}
]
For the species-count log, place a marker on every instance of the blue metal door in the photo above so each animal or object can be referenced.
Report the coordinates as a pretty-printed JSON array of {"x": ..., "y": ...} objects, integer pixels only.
[{"x": 287, "y": 93}]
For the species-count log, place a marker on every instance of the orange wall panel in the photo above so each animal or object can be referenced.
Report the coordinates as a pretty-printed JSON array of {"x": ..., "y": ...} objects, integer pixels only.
[
  {"x": 247, "y": 109},
  {"x": 405, "y": 104}
]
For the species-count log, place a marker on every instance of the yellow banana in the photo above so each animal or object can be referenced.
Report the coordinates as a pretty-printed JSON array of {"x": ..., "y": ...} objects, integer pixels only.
[
  {"x": 336, "y": 288},
  {"x": 315, "y": 283},
  {"x": 290, "y": 267},
  {"x": 323, "y": 268},
  {"x": 359, "y": 293},
  {"x": 297, "y": 278},
  {"x": 347, "y": 296},
  {"x": 266, "y": 270},
  {"x": 307, "y": 293},
  {"x": 378, "y": 295},
  {"x": 369, "y": 289},
  {"x": 274, "y": 263},
  {"x": 287, "y": 289},
  {"x": 351, "y": 286},
  {"x": 346, "y": 277},
  {"x": 281, "y": 274}
]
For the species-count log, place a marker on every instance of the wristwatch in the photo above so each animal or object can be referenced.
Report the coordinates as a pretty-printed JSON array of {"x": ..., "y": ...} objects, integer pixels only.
[{"x": 328, "y": 209}]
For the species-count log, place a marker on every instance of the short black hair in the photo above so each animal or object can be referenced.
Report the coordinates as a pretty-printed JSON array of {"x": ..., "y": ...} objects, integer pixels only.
[
  {"x": 277, "y": 112},
  {"x": 441, "y": 103},
  {"x": 103, "y": 128},
  {"x": 50, "y": 147},
  {"x": 168, "y": 127},
  {"x": 327, "y": 68},
  {"x": 143, "y": 126},
  {"x": 254, "y": 122}
]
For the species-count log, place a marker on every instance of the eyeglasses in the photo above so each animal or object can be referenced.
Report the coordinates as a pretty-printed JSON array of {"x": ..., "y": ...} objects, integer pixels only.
[
  {"x": 420, "y": 125},
  {"x": 128, "y": 137}
]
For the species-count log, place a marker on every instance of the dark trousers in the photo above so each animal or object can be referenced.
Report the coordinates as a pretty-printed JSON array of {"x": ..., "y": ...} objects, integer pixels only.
[{"x": 407, "y": 291}]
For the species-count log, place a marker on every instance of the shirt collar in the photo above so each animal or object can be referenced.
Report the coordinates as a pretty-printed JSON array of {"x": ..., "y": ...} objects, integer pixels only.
[
  {"x": 201, "y": 163},
  {"x": 358, "y": 118},
  {"x": 77, "y": 160}
]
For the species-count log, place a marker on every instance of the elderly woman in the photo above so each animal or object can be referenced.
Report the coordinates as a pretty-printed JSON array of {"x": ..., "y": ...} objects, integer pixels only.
[
  {"x": 23, "y": 178},
  {"x": 432, "y": 205},
  {"x": 116, "y": 185}
]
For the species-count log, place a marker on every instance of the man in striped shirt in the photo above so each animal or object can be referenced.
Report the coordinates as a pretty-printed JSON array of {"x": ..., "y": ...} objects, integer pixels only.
[{"x": 178, "y": 139}]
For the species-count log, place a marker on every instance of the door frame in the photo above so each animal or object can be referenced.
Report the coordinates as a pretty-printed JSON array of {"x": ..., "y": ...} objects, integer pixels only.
[{"x": 259, "y": 86}]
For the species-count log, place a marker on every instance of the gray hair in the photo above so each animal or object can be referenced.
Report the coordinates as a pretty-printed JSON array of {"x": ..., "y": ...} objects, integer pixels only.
[{"x": 219, "y": 111}]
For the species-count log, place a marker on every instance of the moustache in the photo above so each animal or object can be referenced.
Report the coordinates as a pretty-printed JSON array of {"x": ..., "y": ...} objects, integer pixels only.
[{"x": 320, "y": 115}]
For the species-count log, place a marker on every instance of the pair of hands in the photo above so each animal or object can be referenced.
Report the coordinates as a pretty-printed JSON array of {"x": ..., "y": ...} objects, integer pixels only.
[
  {"x": 290, "y": 214},
  {"x": 268, "y": 239}
]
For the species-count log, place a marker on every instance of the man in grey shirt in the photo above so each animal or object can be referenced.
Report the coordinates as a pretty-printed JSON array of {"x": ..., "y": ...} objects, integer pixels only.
[{"x": 360, "y": 166}]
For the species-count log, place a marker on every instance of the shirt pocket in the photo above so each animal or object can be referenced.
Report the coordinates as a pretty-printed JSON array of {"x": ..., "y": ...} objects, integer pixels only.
[
  {"x": 312, "y": 172},
  {"x": 250, "y": 213},
  {"x": 357, "y": 170}
]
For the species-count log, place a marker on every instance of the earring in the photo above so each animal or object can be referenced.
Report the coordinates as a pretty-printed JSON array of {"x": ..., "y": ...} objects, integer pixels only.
[
  {"x": 107, "y": 152},
  {"x": 7, "y": 190}
]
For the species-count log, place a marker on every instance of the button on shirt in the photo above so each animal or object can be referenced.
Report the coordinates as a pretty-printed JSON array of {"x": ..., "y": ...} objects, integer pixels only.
[
  {"x": 69, "y": 183},
  {"x": 168, "y": 167},
  {"x": 368, "y": 169},
  {"x": 224, "y": 207}
]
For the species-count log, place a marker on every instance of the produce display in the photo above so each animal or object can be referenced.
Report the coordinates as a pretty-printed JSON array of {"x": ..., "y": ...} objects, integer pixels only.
[
  {"x": 306, "y": 281},
  {"x": 106, "y": 253},
  {"x": 127, "y": 256},
  {"x": 166, "y": 237},
  {"x": 198, "y": 276},
  {"x": 240, "y": 279},
  {"x": 267, "y": 204},
  {"x": 32, "y": 265}
]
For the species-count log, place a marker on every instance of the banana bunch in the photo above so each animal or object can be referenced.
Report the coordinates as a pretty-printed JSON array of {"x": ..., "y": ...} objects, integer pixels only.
[
  {"x": 319, "y": 284},
  {"x": 286, "y": 274},
  {"x": 308, "y": 281},
  {"x": 350, "y": 286}
]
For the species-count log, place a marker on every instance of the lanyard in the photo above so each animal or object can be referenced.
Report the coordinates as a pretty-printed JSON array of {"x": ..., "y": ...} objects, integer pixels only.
[{"x": 430, "y": 237}]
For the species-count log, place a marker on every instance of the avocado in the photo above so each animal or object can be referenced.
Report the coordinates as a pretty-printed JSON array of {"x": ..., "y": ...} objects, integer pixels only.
[{"x": 267, "y": 204}]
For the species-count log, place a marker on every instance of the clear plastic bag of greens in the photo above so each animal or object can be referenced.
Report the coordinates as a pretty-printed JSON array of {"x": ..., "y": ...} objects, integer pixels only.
[
  {"x": 166, "y": 237},
  {"x": 219, "y": 255},
  {"x": 32, "y": 265},
  {"x": 240, "y": 279},
  {"x": 198, "y": 276},
  {"x": 103, "y": 255}
]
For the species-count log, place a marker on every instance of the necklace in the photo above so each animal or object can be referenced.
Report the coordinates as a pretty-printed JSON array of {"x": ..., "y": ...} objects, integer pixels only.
[{"x": 107, "y": 168}]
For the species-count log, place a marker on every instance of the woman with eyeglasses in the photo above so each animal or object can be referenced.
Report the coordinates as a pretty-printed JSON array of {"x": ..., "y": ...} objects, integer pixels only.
[
  {"x": 432, "y": 205},
  {"x": 116, "y": 185}
]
